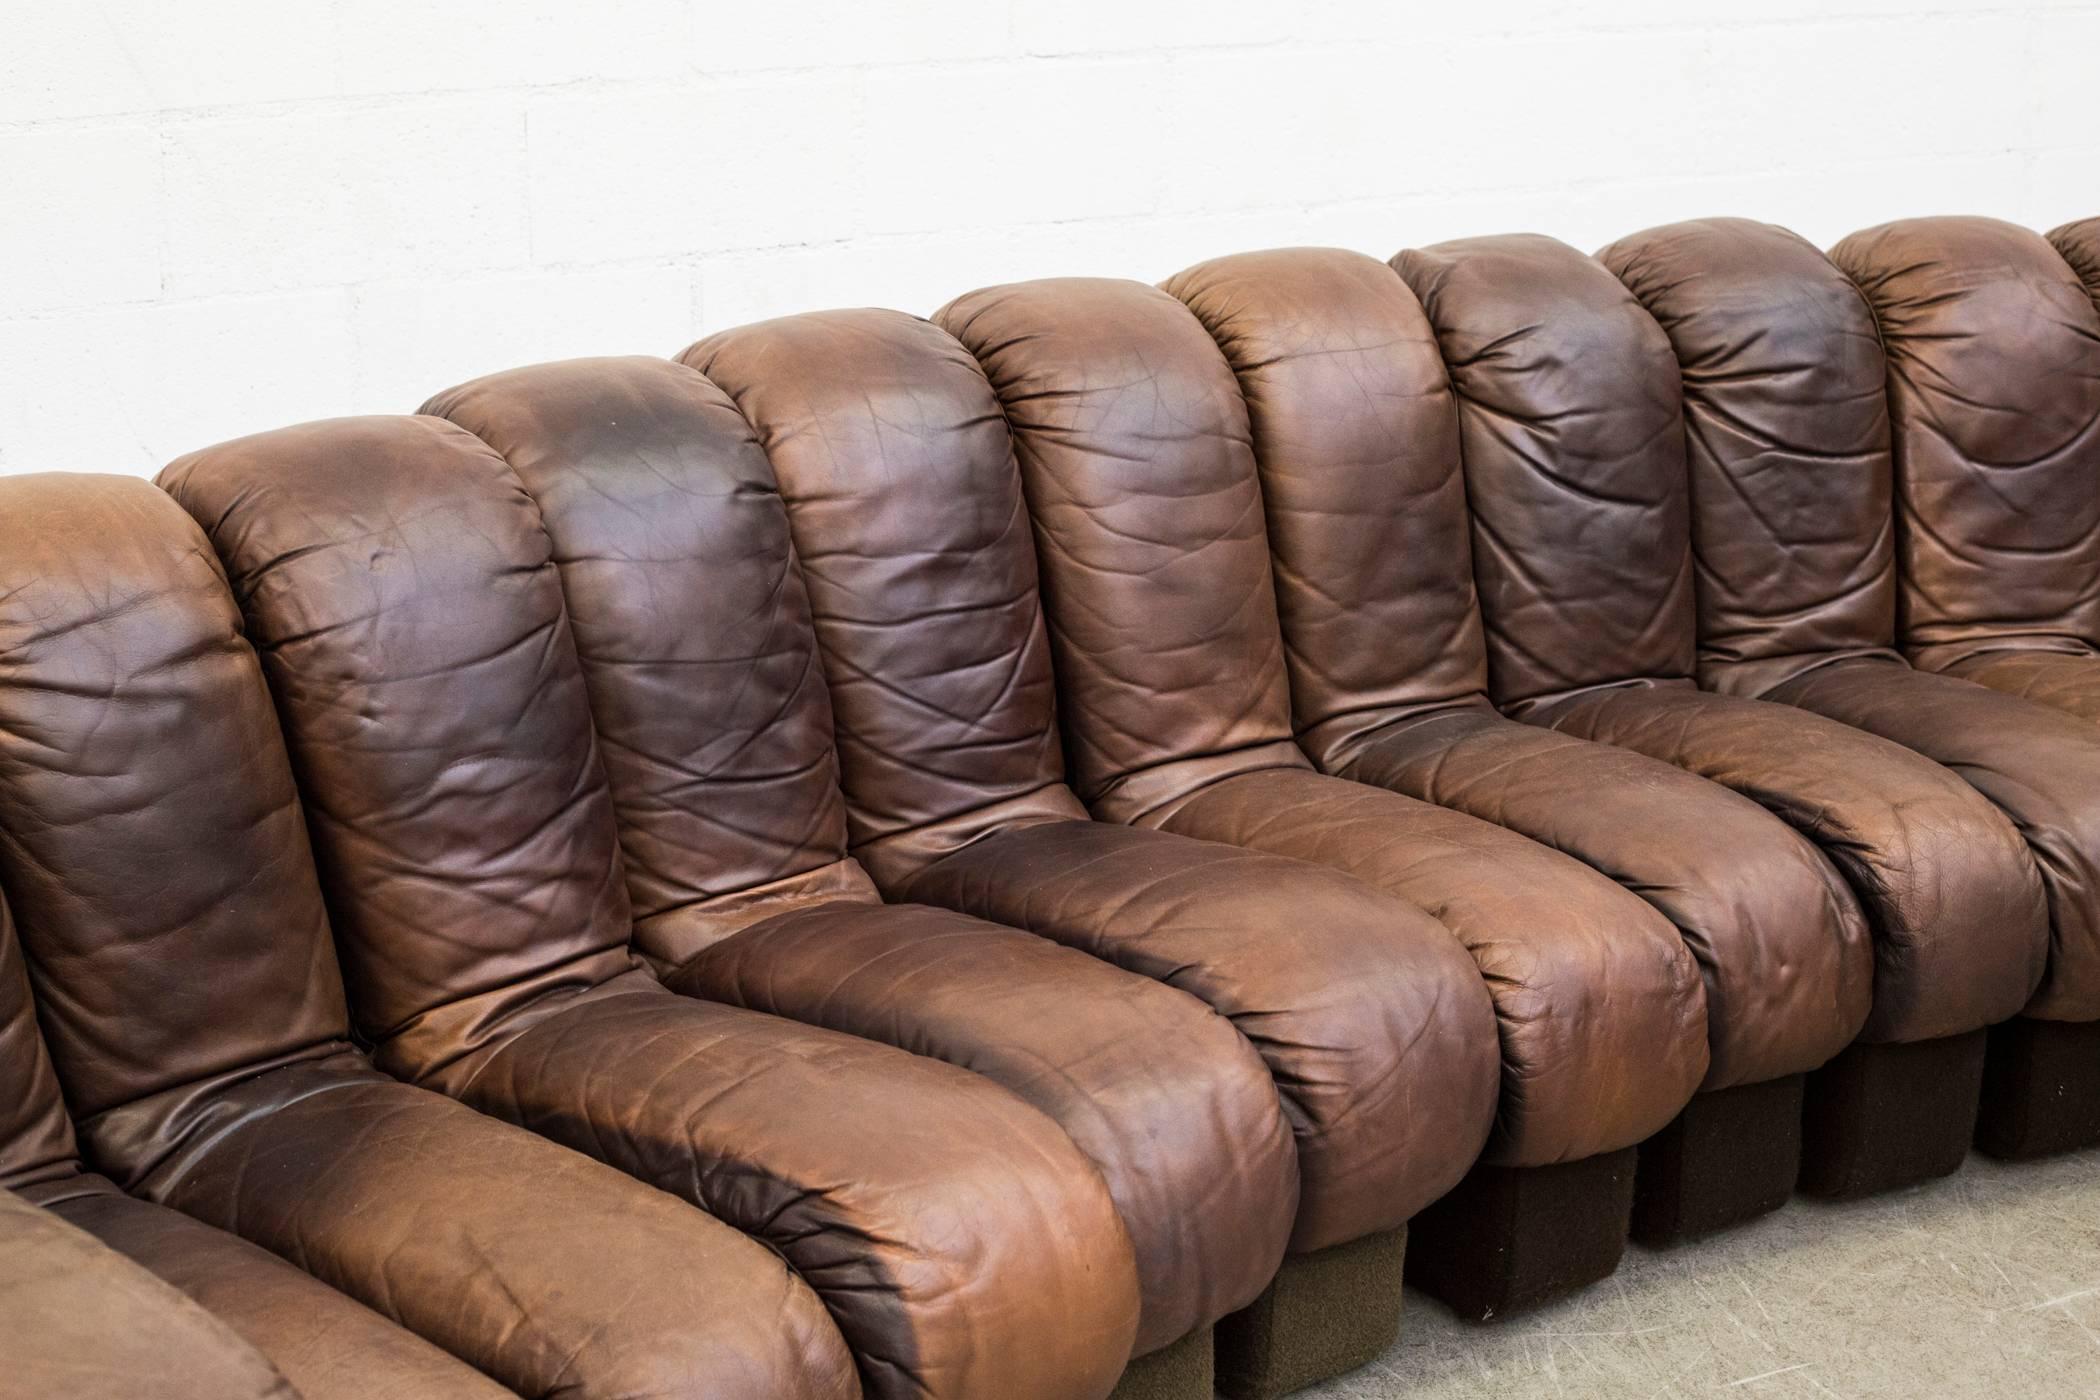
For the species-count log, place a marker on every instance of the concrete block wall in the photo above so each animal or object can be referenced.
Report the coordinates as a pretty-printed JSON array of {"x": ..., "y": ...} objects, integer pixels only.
[{"x": 222, "y": 217}]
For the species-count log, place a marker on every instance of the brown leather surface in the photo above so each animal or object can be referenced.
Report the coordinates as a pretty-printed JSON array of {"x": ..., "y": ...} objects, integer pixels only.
[
  {"x": 1574, "y": 461},
  {"x": 2078, "y": 244},
  {"x": 83, "y": 1323},
  {"x": 692, "y": 630},
  {"x": 1135, "y": 450},
  {"x": 129, "y": 728},
  {"x": 1602, "y": 1012},
  {"x": 328, "y": 1346},
  {"x": 1787, "y": 441},
  {"x": 1791, "y": 460},
  {"x": 2042, "y": 372},
  {"x": 2041, "y": 768},
  {"x": 471, "y": 855},
  {"x": 908, "y": 513},
  {"x": 324, "y": 1343},
  {"x": 1356, "y": 438},
  {"x": 2061, "y": 680},
  {"x": 1162, "y": 1094},
  {"x": 467, "y": 851},
  {"x": 1994, "y": 392},
  {"x": 1937, "y": 875},
  {"x": 532, "y": 1263},
  {"x": 1356, "y": 432},
  {"x": 908, "y": 519},
  {"x": 1781, "y": 945},
  {"x": 1793, "y": 472},
  {"x": 1957, "y": 908},
  {"x": 714, "y": 594},
  {"x": 1371, "y": 1019},
  {"x": 36, "y": 1137},
  {"x": 145, "y": 795},
  {"x": 593, "y": 706},
  {"x": 938, "y": 1217}
]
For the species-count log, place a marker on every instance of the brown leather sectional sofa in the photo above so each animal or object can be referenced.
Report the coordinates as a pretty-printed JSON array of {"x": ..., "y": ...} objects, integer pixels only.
[{"x": 1059, "y": 848}]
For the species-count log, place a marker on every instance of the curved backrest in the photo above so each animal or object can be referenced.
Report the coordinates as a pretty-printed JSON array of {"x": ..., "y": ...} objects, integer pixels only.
[
  {"x": 397, "y": 579},
  {"x": 1994, "y": 391},
  {"x": 692, "y": 633},
  {"x": 1787, "y": 432},
  {"x": 152, "y": 846},
  {"x": 1570, "y": 420},
  {"x": 908, "y": 519},
  {"x": 2078, "y": 244},
  {"x": 36, "y": 1137},
  {"x": 1138, "y": 466},
  {"x": 1355, "y": 431}
]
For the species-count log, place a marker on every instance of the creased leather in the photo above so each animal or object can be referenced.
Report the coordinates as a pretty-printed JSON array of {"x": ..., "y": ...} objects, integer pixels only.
[
  {"x": 924, "y": 1233},
  {"x": 909, "y": 523},
  {"x": 1792, "y": 481},
  {"x": 1133, "y": 448},
  {"x": 1161, "y": 1094},
  {"x": 713, "y": 602},
  {"x": 1356, "y": 434},
  {"x": 453, "y": 911},
  {"x": 1356, "y": 439},
  {"x": 2078, "y": 244},
  {"x": 1602, "y": 1012},
  {"x": 1373, "y": 1023},
  {"x": 83, "y": 1323},
  {"x": 326, "y": 1345},
  {"x": 692, "y": 632},
  {"x": 299, "y": 1158},
  {"x": 1135, "y": 451},
  {"x": 1994, "y": 393},
  {"x": 140, "y": 772},
  {"x": 2040, "y": 768},
  {"x": 384, "y": 565},
  {"x": 2061, "y": 680},
  {"x": 1932, "y": 872},
  {"x": 908, "y": 511},
  {"x": 1780, "y": 943},
  {"x": 2036, "y": 361},
  {"x": 1572, "y": 436},
  {"x": 1787, "y": 438},
  {"x": 1955, "y": 904},
  {"x": 108, "y": 656}
]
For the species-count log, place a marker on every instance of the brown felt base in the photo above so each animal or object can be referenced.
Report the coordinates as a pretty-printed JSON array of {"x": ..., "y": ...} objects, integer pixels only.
[
  {"x": 1882, "y": 1116},
  {"x": 2041, "y": 1088},
  {"x": 1324, "y": 1314},
  {"x": 1731, "y": 1156},
  {"x": 1508, "y": 1238},
  {"x": 1178, "y": 1371}
]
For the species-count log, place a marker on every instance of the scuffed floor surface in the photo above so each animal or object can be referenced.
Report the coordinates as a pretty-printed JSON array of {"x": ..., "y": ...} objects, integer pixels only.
[{"x": 1984, "y": 1284}]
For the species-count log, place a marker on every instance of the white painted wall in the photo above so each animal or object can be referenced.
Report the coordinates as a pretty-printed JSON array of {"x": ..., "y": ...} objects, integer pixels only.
[{"x": 219, "y": 216}]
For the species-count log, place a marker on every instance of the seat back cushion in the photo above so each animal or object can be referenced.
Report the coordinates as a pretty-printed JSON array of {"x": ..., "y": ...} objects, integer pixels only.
[
  {"x": 404, "y": 595},
  {"x": 907, "y": 515},
  {"x": 1138, "y": 466},
  {"x": 1355, "y": 432},
  {"x": 1994, "y": 391},
  {"x": 1787, "y": 431},
  {"x": 1572, "y": 431},
  {"x": 152, "y": 846},
  {"x": 692, "y": 632}
]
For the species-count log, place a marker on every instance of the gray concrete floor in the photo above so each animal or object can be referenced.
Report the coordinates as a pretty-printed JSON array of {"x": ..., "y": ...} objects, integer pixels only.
[{"x": 1984, "y": 1284}]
